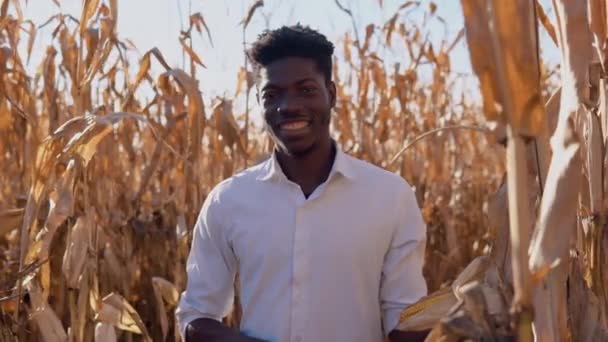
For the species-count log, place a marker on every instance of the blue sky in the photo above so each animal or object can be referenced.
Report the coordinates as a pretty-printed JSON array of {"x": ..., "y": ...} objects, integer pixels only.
[{"x": 156, "y": 23}]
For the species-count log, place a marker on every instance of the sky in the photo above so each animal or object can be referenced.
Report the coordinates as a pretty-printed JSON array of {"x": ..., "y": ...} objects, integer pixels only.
[{"x": 156, "y": 23}]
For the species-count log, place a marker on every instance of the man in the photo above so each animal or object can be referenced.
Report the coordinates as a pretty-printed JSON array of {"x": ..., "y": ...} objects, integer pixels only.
[{"x": 328, "y": 247}]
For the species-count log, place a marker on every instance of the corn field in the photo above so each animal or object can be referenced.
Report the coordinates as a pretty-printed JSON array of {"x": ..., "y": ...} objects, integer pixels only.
[{"x": 100, "y": 187}]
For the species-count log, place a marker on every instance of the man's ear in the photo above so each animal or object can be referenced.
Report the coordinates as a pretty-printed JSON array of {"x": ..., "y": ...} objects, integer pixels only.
[{"x": 332, "y": 93}]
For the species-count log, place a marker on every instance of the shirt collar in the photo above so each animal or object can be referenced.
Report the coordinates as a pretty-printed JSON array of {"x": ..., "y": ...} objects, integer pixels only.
[{"x": 271, "y": 170}]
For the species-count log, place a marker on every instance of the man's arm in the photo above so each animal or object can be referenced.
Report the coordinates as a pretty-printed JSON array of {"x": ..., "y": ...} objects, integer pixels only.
[
  {"x": 210, "y": 330},
  {"x": 402, "y": 281},
  {"x": 211, "y": 270}
]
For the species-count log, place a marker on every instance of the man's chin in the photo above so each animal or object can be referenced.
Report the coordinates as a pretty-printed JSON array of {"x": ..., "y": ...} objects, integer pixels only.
[{"x": 298, "y": 149}]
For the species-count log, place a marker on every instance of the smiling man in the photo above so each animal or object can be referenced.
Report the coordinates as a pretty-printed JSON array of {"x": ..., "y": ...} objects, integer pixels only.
[{"x": 328, "y": 248}]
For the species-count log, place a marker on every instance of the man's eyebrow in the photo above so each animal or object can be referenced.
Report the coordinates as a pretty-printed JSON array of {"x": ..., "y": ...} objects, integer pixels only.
[
  {"x": 304, "y": 80},
  {"x": 272, "y": 86}
]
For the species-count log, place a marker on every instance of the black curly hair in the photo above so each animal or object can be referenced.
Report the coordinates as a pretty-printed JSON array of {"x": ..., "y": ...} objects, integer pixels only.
[{"x": 293, "y": 41}]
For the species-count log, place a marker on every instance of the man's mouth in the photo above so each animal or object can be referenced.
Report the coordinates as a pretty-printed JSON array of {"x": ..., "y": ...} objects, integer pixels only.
[{"x": 294, "y": 125}]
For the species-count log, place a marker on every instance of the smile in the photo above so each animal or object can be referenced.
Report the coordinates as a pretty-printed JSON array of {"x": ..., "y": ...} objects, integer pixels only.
[{"x": 294, "y": 125}]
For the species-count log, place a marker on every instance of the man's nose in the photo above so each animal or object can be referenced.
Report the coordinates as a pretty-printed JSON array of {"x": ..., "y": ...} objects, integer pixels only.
[{"x": 289, "y": 104}]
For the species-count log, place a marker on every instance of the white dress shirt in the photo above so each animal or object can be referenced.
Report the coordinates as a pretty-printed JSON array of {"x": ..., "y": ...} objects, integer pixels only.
[{"x": 338, "y": 266}]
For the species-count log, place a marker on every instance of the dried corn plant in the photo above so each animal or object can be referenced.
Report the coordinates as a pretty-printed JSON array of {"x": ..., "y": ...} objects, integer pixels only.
[
  {"x": 556, "y": 165},
  {"x": 100, "y": 186}
]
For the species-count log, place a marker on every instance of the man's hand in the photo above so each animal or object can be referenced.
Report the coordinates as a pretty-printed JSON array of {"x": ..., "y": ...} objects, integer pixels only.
[
  {"x": 402, "y": 336},
  {"x": 210, "y": 330}
]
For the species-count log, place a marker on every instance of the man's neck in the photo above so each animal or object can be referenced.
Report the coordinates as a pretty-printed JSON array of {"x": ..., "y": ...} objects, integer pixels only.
[{"x": 310, "y": 170}]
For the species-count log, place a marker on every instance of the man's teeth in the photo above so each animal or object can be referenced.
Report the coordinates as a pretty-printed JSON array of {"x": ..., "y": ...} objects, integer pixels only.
[{"x": 294, "y": 125}]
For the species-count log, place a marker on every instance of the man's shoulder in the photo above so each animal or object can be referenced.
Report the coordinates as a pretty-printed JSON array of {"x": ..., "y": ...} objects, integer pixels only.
[
  {"x": 240, "y": 182},
  {"x": 376, "y": 175}
]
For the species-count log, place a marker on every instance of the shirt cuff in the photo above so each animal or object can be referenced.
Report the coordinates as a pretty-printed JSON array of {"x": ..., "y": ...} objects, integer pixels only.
[{"x": 391, "y": 319}]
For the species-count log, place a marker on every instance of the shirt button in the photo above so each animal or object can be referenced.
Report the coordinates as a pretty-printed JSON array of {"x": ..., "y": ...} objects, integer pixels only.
[{"x": 298, "y": 338}]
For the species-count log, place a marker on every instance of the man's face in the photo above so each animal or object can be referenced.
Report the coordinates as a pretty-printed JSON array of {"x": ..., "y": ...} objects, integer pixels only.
[{"x": 297, "y": 104}]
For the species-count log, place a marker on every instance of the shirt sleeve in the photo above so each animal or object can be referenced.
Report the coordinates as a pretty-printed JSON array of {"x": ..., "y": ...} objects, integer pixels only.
[
  {"x": 211, "y": 268},
  {"x": 402, "y": 281}
]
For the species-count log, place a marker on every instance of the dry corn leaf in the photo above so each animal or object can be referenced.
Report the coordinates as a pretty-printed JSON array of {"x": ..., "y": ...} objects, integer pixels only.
[
  {"x": 9, "y": 305},
  {"x": 88, "y": 9},
  {"x": 575, "y": 46},
  {"x": 115, "y": 310},
  {"x": 543, "y": 140},
  {"x": 585, "y": 309},
  {"x": 10, "y": 219},
  {"x": 114, "y": 12},
  {"x": 455, "y": 41},
  {"x": 389, "y": 27},
  {"x": 196, "y": 122},
  {"x": 80, "y": 310},
  {"x": 44, "y": 164},
  {"x": 191, "y": 53},
  {"x": 428, "y": 311},
  {"x": 159, "y": 56},
  {"x": 86, "y": 133},
  {"x": 474, "y": 302},
  {"x": 478, "y": 36},
  {"x": 98, "y": 60},
  {"x": 167, "y": 290},
  {"x": 369, "y": 31},
  {"x": 162, "y": 315},
  {"x": 45, "y": 318},
  {"x": 257, "y": 4},
  {"x": 408, "y": 4},
  {"x": 84, "y": 143},
  {"x": 75, "y": 256},
  {"x": 592, "y": 135},
  {"x": 16, "y": 5},
  {"x": 144, "y": 67},
  {"x": 227, "y": 126},
  {"x": 598, "y": 20},
  {"x": 245, "y": 78},
  {"x": 156, "y": 155},
  {"x": 550, "y": 308},
  {"x": 6, "y": 118},
  {"x": 498, "y": 216},
  {"x": 520, "y": 221},
  {"x": 105, "y": 333},
  {"x": 197, "y": 20},
  {"x": 31, "y": 39},
  {"x": 114, "y": 265},
  {"x": 4, "y": 9},
  {"x": 515, "y": 43},
  {"x": 91, "y": 38},
  {"x": 542, "y": 16},
  {"x": 510, "y": 78},
  {"x": 475, "y": 270},
  {"x": 61, "y": 206},
  {"x": 559, "y": 203},
  {"x": 557, "y": 217},
  {"x": 61, "y": 199},
  {"x": 425, "y": 313}
]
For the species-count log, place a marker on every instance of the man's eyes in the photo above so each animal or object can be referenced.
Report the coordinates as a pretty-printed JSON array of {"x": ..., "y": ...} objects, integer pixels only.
[
  {"x": 308, "y": 90},
  {"x": 272, "y": 94}
]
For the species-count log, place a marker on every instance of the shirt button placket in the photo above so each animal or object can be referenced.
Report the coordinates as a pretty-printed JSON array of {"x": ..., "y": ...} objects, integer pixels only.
[{"x": 299, "y": 271}]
